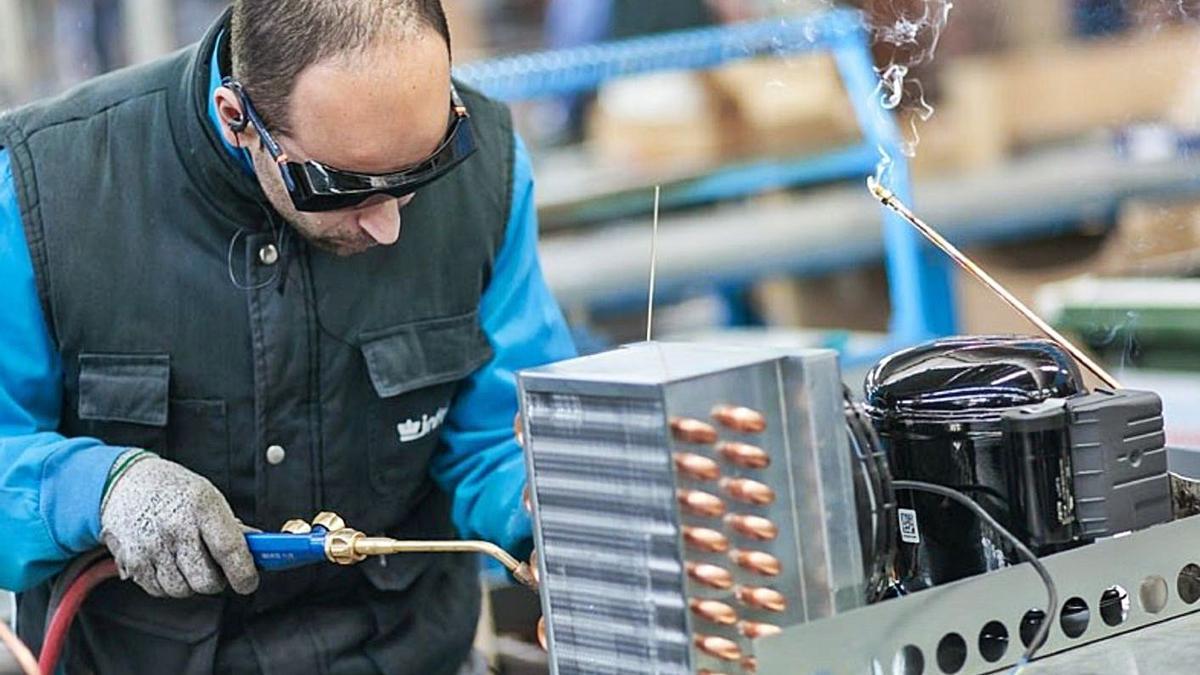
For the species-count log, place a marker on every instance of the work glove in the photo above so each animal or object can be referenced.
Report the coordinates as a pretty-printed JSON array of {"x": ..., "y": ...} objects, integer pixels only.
[{"x": 171, "y": 531}]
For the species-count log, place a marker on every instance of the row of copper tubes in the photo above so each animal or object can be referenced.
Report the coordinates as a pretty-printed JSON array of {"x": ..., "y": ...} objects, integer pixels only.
[{"x": 705, "y": 504}]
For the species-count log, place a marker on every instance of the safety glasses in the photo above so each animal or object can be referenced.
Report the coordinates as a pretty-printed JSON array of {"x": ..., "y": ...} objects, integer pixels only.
[{"x": 316, "y": 187}]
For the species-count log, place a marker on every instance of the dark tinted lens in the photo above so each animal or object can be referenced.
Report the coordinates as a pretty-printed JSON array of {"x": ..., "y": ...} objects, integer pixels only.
[
  {"x": 348, "y": 192},
  {"x": 315, "y": 203}
]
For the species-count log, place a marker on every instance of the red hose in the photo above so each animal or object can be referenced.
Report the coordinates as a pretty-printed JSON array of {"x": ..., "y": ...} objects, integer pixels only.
[{"x": 60, "y": 624}]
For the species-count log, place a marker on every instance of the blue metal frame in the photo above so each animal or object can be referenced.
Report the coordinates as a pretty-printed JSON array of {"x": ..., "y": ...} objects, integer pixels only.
[{"x": 920, "y": 280}]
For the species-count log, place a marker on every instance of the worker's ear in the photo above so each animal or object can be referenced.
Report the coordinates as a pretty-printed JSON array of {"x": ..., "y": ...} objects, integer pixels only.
[{"x": 235, "y": 128}]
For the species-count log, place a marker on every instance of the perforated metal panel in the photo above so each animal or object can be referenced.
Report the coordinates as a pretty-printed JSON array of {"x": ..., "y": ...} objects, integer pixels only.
[{"x": 978, "y": 625}]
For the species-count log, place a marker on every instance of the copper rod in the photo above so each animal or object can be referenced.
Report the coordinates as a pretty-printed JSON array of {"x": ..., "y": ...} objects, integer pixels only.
[
  {"x": 889, "y": 199},
  {"x": 701, "y": 504},
  {"x": 697, "y": 467},
  {"x": 719, "y": 647},
  {"x": 712, "y": 576},
  {"x": 740, "y": 418},
  {"x": 744, "y": 455},
  {"x": 755, "y": 527},
  {"x": 755, "y": 629},
  {"x": 757, "y": 562},
  {"x": 533, "y": 567},
  {"x": 748, "y": 491},
  {"x": 705, "y": 539},
  {"x": 714, "y": 611},
  {"x": 762, "y": 598},
  {"x": 691, "y": 430}
]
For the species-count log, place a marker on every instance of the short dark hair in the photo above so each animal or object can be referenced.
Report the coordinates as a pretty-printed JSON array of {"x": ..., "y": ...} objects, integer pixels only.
[{"x": 272, "y": 41}]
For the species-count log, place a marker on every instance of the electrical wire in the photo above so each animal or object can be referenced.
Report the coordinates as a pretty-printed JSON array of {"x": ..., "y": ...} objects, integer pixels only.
[
  {"x": 280, "y": 234},
  {"x": 868, "y": 450},
  {"x": 1051, "y": 590}
]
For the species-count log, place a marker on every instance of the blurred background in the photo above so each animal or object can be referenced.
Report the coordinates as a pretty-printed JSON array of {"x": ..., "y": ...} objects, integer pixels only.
[{"x": 1050, "y": 138}]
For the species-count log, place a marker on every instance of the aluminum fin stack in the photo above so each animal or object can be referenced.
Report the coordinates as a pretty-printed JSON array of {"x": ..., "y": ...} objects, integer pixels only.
[{"x": 689, "y": 499}]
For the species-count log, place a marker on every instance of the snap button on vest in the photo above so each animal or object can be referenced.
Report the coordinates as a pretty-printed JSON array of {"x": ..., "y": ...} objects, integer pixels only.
[
  {"x": 276, "y": 454},
  {"x": 268, "y": 255}
]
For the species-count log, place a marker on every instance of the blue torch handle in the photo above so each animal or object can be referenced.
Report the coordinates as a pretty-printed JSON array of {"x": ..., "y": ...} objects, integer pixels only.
[{"x": 278, "y": 551}]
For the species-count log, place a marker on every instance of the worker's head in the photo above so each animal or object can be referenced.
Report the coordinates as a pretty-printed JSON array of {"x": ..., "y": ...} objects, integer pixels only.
[{"x": 354, "y": 96}]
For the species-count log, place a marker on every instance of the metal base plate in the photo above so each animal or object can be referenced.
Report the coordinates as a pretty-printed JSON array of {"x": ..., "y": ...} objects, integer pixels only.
[{"x": 976, "y": 625}]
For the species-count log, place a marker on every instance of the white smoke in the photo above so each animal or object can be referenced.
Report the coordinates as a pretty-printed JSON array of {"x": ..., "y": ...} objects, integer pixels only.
[{"x": 913, "y": 37}]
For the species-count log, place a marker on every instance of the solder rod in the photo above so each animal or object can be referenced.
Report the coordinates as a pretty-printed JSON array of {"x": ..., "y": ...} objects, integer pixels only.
[{"x": 889, "y": 199}]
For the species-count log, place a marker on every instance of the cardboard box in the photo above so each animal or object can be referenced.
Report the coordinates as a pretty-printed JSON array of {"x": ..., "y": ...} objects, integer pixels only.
[
  {"x": 1149, "y": 238},
  {"x": 1048, "y": 93},
  {"x": 785, "y": 106},
  {"x": 747, "y": 109},
  {"x": 669, "y": 120}
]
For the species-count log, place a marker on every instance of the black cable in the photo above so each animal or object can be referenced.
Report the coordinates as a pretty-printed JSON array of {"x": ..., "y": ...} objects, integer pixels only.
[
  {"x": 868, "y": 449},
  {"x": 1051, "y": 590},
  {"x": 280, "y": 234}
]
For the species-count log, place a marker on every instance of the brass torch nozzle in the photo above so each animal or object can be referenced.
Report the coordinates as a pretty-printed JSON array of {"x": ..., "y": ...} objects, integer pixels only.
[
  {"x": 346, "y": 546},
  {"x": 374, "y": 546}
]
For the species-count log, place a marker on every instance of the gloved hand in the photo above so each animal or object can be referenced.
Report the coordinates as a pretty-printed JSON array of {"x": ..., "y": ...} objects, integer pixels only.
[{"x": 171, "y": 531}]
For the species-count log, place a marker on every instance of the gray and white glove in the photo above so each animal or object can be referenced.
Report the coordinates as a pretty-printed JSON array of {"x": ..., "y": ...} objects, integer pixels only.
[{"x": 171, "y": 531}]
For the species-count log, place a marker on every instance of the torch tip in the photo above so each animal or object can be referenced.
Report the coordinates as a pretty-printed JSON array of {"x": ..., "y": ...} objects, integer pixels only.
[
  {"x": 524, "y": 574},
  {"x": 878, "y": 190}
]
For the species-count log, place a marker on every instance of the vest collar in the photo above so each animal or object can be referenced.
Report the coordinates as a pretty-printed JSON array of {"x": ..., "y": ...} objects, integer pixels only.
[{"x": 220, "y": 176}]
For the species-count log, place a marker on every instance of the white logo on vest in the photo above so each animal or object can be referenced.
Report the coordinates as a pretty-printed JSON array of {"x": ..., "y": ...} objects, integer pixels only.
[{"x": 413, "y": 430}]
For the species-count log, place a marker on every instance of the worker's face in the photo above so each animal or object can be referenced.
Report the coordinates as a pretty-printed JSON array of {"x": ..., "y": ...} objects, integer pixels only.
[{"x": 375, "y": 112}]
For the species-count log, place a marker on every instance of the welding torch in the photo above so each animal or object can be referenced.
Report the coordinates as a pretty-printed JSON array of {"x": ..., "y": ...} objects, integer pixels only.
[{"x": 326, "y": 539}]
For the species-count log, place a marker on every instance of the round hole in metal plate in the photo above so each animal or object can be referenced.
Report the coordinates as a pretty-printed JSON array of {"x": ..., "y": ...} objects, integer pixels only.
[
  {"x": 1114, "y": 606},
  {"x": 993, "y": 641},
  {"x": 1030, "y": 623},
  {"x": 909, "y": 661},
  {"x": 1075, "y": 617},
  {"x": 1189, "y": 583},
  {"x": 1153, "y": 594},
  {"x": 952, "y": 653}
]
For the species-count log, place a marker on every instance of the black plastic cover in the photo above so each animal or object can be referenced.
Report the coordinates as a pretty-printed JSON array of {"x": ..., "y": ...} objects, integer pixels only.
[
  {"x": 971, "y": 377},
  {"x": 1118, "y": 449}
]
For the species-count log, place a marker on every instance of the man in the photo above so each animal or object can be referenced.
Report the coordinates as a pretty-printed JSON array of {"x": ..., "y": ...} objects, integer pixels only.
[{"x": 288, "y": 269}]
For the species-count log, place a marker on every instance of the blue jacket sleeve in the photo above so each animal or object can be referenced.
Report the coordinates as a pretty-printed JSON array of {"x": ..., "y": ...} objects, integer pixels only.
[
  {"x": 481, "y": 464},
  {"x": 49, "y": 485}
]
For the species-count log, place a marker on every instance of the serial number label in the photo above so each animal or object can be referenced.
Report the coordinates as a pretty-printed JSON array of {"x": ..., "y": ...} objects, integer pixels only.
[{"x": 910, "y": 533}]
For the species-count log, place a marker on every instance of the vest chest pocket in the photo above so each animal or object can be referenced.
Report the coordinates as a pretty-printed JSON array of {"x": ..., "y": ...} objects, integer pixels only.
[
  {"x": 414, "y": 370},
  {"x": 124, "y": 400}
]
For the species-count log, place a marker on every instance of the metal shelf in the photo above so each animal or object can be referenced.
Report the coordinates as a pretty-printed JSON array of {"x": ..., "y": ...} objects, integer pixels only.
[
  {"x": 834, "y": 228},
  {"x": 922, "y": 297},
  {"x": 583, "y": 69}
]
